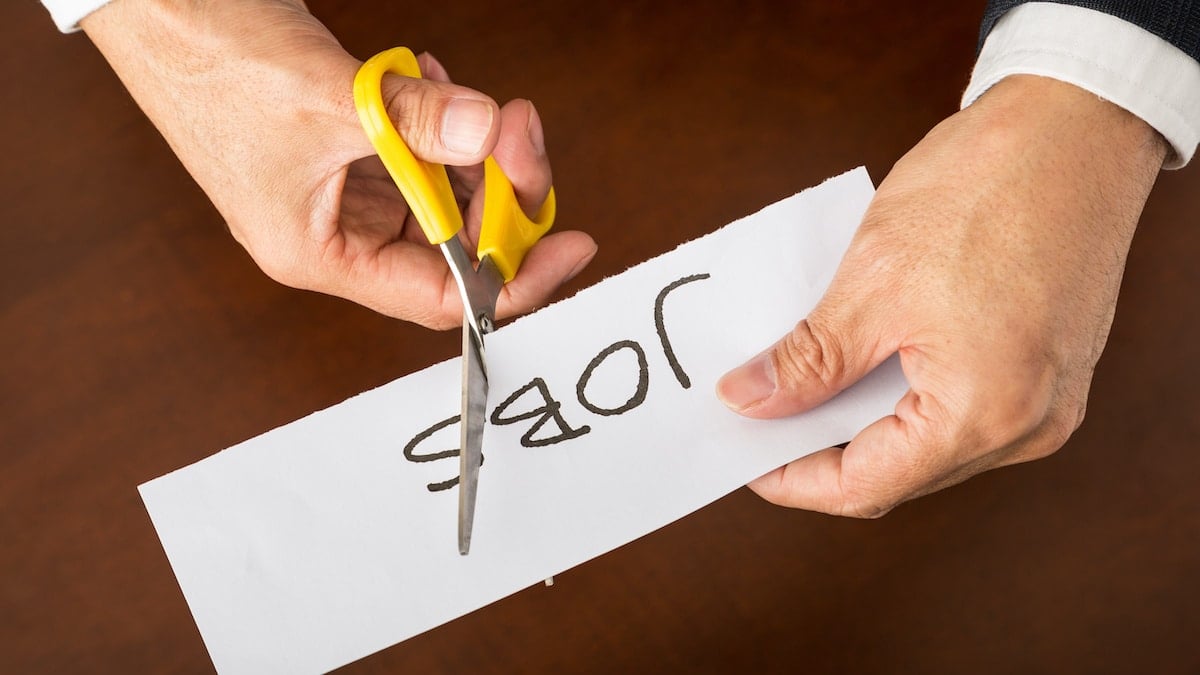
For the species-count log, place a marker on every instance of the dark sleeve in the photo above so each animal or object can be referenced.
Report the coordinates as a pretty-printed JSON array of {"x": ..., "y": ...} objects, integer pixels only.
[{"x": 1176, "y": 21}]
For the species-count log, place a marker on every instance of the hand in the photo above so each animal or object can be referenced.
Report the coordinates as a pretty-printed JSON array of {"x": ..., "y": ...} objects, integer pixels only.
[
  {"x": 990, "y": 259},
  {"x": 256, "y": 99}
]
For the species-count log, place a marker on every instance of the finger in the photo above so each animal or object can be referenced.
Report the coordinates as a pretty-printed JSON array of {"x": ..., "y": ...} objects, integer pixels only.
[
  {"x": 440, "y": 122},
  {"x": 859, "y": 322},
  {"x": 464, "y": 179},
  {"x": 411, "y": 281},
  {"x": 895, "y": 459},
  {"x": 553, "y": 261},
  {"x": 431, "y": 68},
  {"x": 403, "y": 279},
  {"x": 521, "y": 155},
  {"x": 820, "y": 357}
]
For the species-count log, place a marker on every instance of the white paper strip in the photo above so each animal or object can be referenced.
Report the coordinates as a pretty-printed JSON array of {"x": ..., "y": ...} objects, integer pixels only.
[{"x": 322, "y": 541}]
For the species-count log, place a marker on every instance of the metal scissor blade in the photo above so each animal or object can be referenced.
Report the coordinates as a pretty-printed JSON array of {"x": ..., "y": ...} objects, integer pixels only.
[
  {"x": 479, "y": 289},
  {"x": 474, "y": 412}
]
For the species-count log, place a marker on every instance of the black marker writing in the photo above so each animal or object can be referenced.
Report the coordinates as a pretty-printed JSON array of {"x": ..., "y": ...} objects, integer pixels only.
[
  {"x": 410, "y": 452},
  {"x": 680, "y": 376},
  {"x": 549, "y": 410},
  {"x": 639, "y": 394}
]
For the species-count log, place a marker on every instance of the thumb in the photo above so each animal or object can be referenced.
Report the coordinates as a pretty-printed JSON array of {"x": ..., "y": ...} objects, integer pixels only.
[
  {"x": 441, "y": 122},
  {"x": 811, "y": 364}
]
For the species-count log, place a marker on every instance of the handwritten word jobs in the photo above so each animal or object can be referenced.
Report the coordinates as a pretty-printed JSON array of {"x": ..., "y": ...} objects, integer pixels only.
[{"x": 534, "y": 404}]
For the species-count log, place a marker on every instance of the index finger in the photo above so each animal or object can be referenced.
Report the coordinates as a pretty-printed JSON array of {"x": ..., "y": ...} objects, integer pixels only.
[{"x": 887, "y": 463}]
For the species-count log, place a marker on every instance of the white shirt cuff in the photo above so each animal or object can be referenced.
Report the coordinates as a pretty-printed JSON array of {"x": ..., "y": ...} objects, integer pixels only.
[
  {"x": 1109, "y": 57},
  {"x": 68, "y": 13}
]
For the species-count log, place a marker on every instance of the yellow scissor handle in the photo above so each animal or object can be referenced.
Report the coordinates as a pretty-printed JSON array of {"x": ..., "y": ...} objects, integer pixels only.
[
  {"x": 507, "y": 233},
  {"x": 425, "y": 186}
]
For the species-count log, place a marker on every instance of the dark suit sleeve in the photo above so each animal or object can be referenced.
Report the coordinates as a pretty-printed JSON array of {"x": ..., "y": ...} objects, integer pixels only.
[{"x": 1176, "y": 21}]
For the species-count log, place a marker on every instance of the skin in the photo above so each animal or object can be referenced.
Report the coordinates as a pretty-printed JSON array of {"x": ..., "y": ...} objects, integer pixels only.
[
  {"x": 255, "y": 98},
  {"x": 990, "y": 259}
]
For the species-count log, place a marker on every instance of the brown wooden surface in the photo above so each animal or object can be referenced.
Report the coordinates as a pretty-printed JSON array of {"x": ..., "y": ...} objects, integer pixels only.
[{"x": 136, "y": 337}]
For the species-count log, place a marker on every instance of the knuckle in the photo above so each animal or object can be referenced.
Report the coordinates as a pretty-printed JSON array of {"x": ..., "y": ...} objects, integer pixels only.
[
  {"x": 415, "y": 109},
  {"x": 1033, "y": 420},
  {"x": 866, "y": 510},
  {"x": 1058, "y": 428},
  {"x": 864, "y": 499},
  {"x": 1040, "y": 448},
  {"x": 1010, "y": 411},
  {"x": 805, "y": 355},
  {"x": 865, "y": 506}
]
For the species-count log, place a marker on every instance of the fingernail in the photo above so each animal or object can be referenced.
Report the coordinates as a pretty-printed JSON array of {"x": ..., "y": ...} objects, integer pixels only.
[
  {"x": 466, "y": 125},
  {"x": 432, "y": 68},
  {"x": 580, "y": 265},
  {"x": 749, "y": 384},
  {"x": 536, "y": 137}
]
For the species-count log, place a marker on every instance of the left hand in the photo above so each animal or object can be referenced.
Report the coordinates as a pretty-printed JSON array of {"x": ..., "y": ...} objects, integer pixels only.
[{"x": 990, "y": 259}]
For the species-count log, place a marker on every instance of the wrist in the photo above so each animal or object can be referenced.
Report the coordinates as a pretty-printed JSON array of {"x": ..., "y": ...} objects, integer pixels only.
[
  {"x": 1047, "y": 116},
  {"x": 230, "y": 85}
]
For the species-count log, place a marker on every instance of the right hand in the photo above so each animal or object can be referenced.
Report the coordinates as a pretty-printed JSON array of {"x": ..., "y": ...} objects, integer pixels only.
[{"x": 256, "y": 100}]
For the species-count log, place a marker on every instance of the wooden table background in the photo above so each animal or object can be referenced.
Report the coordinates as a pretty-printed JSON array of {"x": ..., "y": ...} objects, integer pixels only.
[{"x": 136, "y": 337}]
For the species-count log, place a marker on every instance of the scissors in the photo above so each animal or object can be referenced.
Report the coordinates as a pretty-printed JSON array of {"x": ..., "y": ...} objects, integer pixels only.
[{"x": 506, "y": 236}]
